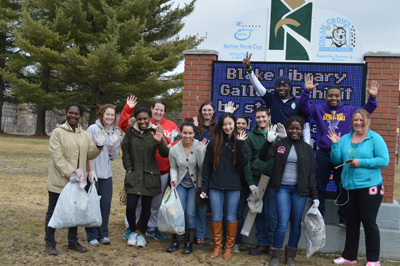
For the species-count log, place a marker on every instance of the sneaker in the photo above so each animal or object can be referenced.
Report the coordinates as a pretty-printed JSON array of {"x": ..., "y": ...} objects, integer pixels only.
[
  {"x": 236, "y": 248},
  {"x": 200, "y": 242},
  {"x": 155, "y": 234},
  {"x": 132, "y": 241},
  {"x": 105, "y": 241},
  {"x": 127, "y": 233},
  {"x": 342, "y": 222},
  {"x": 342, "y": 260},
  {"x": 141, "y": 242},
  {"x": 94, "y": 243},
  {"x": 373, "y": 263}
]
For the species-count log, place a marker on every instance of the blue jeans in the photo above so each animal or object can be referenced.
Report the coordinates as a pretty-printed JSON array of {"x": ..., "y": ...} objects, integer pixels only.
[
  {"x": 105, "y": 190},
  {"x": 187, "y": 198},
  {"x": 244, "y": 194},
  {"x": 289, "y": 206},
  {"x": 217, "y": 200},
  {"x": 266, "y": 220},
  {"x": 323, "y": 172},
  {"x": 201, "y": 221}
]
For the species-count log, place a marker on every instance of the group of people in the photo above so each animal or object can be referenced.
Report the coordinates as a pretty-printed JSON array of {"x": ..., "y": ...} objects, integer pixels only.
[{"x": 218, "y": 160}]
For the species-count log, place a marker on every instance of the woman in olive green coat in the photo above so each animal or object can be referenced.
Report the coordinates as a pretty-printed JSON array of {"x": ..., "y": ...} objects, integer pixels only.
[{"x": 142, "y": 173}]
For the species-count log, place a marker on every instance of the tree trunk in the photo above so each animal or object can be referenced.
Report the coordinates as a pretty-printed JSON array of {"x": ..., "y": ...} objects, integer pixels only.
[
  {"x": 41, "y": 109},
  {"x": 3, "y": 39},
  {"x": 95, "y": 101}
]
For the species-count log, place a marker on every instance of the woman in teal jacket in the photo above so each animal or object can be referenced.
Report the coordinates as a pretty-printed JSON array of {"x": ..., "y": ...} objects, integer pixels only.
[{"x": 362, "y": 152}]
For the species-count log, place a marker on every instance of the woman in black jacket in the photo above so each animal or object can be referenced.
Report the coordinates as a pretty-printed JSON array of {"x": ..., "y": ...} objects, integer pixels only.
[
  {"x": 293, "y": 179},
  {"x": 225, "y": 155}
]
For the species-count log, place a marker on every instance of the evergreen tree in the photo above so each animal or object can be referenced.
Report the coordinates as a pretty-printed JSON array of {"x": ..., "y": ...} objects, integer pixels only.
[
  {"x": 9, "y": 12},
  {"x": 98, "y": 51}
]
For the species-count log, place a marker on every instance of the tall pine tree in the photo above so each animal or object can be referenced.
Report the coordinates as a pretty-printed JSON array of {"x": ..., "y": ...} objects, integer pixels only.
[{"x": 99, "y": 51}]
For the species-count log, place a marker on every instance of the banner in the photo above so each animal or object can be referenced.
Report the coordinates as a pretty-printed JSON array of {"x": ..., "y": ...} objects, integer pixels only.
[{"x": 231, "y": 83}]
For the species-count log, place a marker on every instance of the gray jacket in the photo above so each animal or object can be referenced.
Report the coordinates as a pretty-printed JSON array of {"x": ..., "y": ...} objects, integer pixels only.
[
  {"x": 102, "y": 164},
  {"x": 180, "y": 164}
]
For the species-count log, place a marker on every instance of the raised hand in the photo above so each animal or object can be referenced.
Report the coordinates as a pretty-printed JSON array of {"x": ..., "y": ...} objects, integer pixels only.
[
  {"x": 333, "y": 136},
  {"x": 272, "y": 134},
  {"x": 204, "y": 142},
  {"x": 101, "y": 138},
  {"x": 131, "y": 101},
  {"x": 246, "y": 61},
  {"x": 159, "y": 134},
  {"x": 242, "y": 135},
  {"x": 114, "y": 138},
  {"x": 373, "y": 89},
  {"x": 281, "y": 130},
  {"x": 309, "y": 84},
  {"x": 230, "y": 108},
  {"x": 195, "y": 121}
]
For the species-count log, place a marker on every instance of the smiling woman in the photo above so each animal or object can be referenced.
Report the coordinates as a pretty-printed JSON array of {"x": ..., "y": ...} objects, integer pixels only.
[{"x": 70, "y": 147}]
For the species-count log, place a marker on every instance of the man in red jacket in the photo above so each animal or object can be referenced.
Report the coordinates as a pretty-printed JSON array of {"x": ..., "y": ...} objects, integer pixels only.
[{"x": 170, "y": 135}]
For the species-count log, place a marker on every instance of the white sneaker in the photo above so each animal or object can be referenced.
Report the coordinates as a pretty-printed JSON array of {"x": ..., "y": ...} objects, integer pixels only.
[
  {"x": 132, "y": 240},
  {"x": 141, "y": 242},
  {"x": 342, "y": 260}
]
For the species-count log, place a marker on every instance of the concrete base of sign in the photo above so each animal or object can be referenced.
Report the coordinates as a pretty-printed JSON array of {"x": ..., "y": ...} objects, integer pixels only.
[{"x": 388, "y": 222}]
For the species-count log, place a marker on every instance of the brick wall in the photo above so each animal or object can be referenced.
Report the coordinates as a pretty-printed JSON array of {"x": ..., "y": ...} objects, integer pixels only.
[
  {"x": 385, "y": 68},
  {"x": 197, "y": 80}
]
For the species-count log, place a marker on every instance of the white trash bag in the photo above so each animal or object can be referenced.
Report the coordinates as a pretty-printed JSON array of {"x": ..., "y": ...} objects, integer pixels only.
[
  {"x": 71, "y": 207},
  {"x": 314, "y": 226},
  {"x": 94, "y": 213},
  {"x": 171, "y": 218}
]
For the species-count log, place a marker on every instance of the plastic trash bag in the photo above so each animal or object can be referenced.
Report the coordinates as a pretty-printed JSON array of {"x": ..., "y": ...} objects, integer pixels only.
[
  {"x": 255, "y": 204},
  {"x": 171, "y": 218},
  {"x": 71, "y": 207},
  {"x": 94, "y": 213},
  {"x": 314, "y": 226}
]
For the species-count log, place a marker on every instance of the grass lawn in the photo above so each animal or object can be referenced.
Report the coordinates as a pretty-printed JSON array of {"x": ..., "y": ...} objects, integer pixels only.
[{"x": 24, "y": 164}]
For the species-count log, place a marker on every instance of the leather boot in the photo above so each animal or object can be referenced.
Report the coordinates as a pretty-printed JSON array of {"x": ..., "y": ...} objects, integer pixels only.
[
  {"x": 230, "y": 239},
  {"x": 276, "y": 254},
  {"x": 174, "y": 244},
  {"x": 216, "y": 229},
  {"x": 189, "y": 234},
  {"x": 290, "y": 254}
]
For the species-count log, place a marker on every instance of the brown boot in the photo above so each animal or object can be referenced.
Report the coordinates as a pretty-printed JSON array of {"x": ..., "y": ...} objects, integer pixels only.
[
  {"x": 216, "y": 229},
  {"x": 231, "y": 229},
  {"x": 290, "y": 254}
]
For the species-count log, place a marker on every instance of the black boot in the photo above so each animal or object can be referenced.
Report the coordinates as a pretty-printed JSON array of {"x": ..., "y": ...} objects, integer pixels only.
[
  {"x": 290, "y": 254},
  {"x": 189, "y": 234},
  {"x": 174, "y": 244}
]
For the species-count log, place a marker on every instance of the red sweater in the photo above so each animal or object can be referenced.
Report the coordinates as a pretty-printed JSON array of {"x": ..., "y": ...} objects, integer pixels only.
[{"x": 167, "y": 125}]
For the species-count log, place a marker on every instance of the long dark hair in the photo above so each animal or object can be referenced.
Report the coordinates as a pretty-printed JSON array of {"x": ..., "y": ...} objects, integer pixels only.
[
  {"x": 213, "y": 122},
  {"x": 219, "y": 138}
]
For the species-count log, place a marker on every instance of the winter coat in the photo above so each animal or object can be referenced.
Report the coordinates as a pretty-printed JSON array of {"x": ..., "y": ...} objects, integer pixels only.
[
  {"x": 102, "y": 164},
  {"x": 372, "y": 154},
  {"x": 306, "y": 165},
  {"x": 167, "y": 125},
  {"x": 255, "y": 167},
  {"x": 181, "y": 164},
  {"x": 226, "y": 176},
  {"x": 139, "y": 155},
  {"x": 67, "y": 147}
]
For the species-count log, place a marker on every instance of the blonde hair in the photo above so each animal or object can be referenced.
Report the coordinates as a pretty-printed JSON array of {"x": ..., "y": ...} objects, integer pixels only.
[{"x": 365, "y": 116}]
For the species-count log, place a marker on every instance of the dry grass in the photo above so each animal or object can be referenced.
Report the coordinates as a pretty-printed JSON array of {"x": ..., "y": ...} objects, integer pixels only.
[{"x": 23, "y": 196}]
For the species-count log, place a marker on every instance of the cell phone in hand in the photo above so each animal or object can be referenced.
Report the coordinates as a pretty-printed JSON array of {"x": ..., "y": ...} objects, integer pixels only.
[{"x": 348, "y": 161}]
